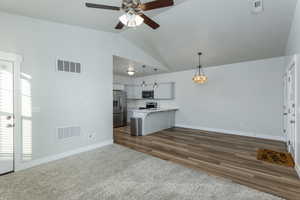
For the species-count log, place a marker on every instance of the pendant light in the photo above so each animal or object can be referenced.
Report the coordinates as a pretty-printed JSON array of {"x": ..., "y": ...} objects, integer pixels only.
[
  {"x": 143, "y": 83},
  {"x": 155, "y": 85},
  {"x": 199, "y": 76}
]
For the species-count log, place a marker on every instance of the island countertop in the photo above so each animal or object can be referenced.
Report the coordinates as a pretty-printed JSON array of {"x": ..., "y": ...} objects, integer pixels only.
[
  {"x": 153, "y": 120},
  {"x": 153, "y": 110}
]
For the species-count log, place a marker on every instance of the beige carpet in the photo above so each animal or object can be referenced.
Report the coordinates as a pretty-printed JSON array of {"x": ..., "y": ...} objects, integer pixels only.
[{"x": 117, "y": 173}]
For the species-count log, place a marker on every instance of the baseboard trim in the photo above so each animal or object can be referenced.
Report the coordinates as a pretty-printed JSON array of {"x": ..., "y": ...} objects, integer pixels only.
[
  {"x": 47, "y": 159},
  {"x": 234, "y": 132}
]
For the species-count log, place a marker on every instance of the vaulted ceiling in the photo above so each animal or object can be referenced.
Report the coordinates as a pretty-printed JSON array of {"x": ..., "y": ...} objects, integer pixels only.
[
  {"x": 225, "y": 31},
  {"x": 121, "y": 65}
]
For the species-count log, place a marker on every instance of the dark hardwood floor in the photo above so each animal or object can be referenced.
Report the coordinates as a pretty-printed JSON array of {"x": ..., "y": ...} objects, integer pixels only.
[{"x": 229, "y": 156}]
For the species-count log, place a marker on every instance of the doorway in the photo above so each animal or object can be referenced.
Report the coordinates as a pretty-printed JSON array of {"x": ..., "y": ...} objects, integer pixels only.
[
  {"x": 9, "y": 64},
  {"x": 290, "y": 107}
]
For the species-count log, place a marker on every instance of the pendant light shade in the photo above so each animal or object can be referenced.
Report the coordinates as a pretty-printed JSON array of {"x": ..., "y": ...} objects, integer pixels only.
[
  {"x": 199, "y": 76},
  {"x": 144, "y": 82},
  {"x": 131, "y": 19},
  {"x": 155, "y": 85}
]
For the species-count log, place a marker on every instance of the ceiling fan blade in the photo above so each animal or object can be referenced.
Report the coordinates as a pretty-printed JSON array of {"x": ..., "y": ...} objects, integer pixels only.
[
  {"x": 119, "y": 26},
  {"x": 156, "y": 4},
  {"x": 92, "y": 5},
  {"x": 150, "y": 22}
]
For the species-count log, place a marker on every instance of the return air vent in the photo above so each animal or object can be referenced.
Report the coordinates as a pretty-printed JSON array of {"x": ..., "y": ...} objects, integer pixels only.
[
  {"x": 68, "y": 132},
  {"x": 257, "y": 6},
  {"x": 68, "y": 66}
]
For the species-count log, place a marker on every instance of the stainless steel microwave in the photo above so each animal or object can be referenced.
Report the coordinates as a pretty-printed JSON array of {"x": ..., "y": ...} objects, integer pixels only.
[{"x": 148, "y": 94}]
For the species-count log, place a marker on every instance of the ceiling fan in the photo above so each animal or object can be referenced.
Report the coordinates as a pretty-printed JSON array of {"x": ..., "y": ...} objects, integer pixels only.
[{"x": 133, "y": 9}]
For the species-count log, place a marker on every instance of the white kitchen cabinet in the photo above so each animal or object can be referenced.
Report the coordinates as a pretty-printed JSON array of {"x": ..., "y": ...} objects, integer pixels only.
[
  {"x": 164, "y": 91},
  {"x": 133, "y": 91},
  {"x": 118, "y": 86},
  {"x": 147, "y": 87}
]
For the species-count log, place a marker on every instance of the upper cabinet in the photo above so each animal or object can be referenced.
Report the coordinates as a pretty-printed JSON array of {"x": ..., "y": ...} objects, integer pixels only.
[
  {"x": 133, "y": 91},
  {"x": 164, "y": 91},
  {"x": 118, "y": 86}
]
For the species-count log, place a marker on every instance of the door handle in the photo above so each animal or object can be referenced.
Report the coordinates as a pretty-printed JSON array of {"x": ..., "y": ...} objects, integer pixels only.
[
  {"x": 10, "y": 125},
  {"x": 285, "y": 113},
  {"x": 292, "y": 122},
  {"x": 10, "y": 117}
]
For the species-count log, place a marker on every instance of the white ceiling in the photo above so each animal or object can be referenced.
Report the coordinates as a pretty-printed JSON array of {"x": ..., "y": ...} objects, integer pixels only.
[
  {"x": 120, "y": 66},
  {"x": 224, "y": 30},
  {"x": 72, "y": 12}
]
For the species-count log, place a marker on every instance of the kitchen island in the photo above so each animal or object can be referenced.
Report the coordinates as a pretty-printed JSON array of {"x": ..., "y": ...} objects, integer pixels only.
[{"x": 155, "y": 119}]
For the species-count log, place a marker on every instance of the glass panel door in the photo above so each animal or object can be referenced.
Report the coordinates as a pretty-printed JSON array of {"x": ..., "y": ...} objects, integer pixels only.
[{"x": 6, "y": 117}]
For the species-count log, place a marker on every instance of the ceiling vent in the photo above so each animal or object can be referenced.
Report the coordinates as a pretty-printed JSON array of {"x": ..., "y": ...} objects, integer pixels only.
[
  {"x": 68, "y": 66},
  {"x": 257, "y": 6}
]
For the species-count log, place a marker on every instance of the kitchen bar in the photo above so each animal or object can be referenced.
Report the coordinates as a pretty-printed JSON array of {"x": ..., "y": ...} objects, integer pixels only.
[{"x": 154, "y": 119}]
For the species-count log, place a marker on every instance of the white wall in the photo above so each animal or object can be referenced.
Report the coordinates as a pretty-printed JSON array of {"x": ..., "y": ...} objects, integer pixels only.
[
  {"x": 62, "y": 99},
  {"x": 293, "y": 48},
  {"x": 293, "y": 45},
  {"x": 244, "y": 98}
]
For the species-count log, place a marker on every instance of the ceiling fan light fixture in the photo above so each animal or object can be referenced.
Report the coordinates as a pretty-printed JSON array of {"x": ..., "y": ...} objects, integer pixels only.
[
  {"x": 131, "y": 19},
  {"x": 130, "y": 71},
  {"x": 134, "y": 12}
]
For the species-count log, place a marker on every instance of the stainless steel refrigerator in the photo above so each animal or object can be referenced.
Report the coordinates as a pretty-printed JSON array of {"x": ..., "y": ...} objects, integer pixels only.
[{"x": 119, "y": 108}]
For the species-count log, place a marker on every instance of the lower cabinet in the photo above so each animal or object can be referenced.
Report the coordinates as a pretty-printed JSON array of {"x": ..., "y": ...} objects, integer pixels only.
[{"x": 129, "y": 115}]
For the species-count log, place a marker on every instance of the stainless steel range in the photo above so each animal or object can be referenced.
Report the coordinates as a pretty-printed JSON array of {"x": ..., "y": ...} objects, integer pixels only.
[{"x": 119, "y": 109}]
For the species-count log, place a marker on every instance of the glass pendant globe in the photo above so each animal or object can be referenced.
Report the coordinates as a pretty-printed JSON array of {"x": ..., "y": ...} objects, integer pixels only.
[
  {"x": 201, "y": 79},
  {"x": 131, "y": 19}
]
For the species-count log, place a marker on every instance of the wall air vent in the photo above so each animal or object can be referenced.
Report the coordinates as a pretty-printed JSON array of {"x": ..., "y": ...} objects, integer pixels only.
[
  {"x": 68, "y": 66},
  {"x": 257, "y": 6},
  {"x": 68, "y": 132}
]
